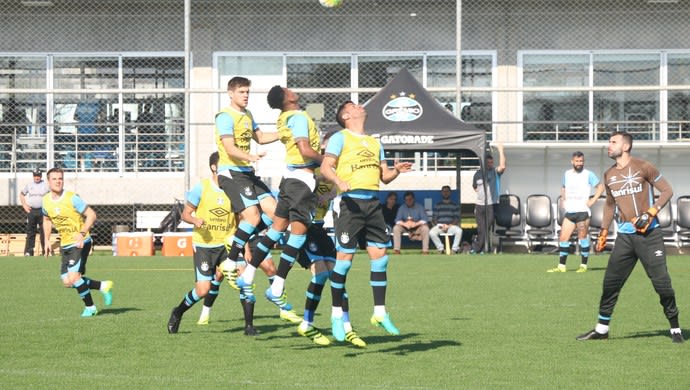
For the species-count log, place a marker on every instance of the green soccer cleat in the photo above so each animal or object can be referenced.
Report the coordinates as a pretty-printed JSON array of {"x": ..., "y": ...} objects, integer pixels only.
[
  {"x": 338, "y": 328},
  {"x": 106, "y": 290},
  {"x": 555, "y": 270},
  {"x": 230, "y": 274},
  {"x": 385, "y": 323},
  {"x": 354, "y": 339},
  {"x": 290, "y": 316},
  {"x": 315, "y": 335},
  {"x": 89, "y": 311},
  {"x": 203, "y": 319},
  {"x": 583, "y": 268}
]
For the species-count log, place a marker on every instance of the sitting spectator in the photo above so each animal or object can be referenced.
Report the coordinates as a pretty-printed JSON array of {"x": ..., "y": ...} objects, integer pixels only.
[
  {"x": 411, "y": 218},
  {"x": 390, "y": 209},
  {"x": 446, "y": 220}
]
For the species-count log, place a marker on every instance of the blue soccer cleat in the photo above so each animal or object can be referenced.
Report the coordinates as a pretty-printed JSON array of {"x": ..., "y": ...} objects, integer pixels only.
[
  {"x": 89, "y": 311},
  {"x": 107, "y": 287},
  {"x": 338, "y": 328},
  {"x": 385, "y": 323},
  {"x": 280, "y": 301}
]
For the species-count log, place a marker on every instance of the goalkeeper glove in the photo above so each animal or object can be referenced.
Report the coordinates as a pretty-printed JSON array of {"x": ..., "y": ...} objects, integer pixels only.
[
  {"x": 645, "y": 219},
  {"x": 601, "y": 240}
]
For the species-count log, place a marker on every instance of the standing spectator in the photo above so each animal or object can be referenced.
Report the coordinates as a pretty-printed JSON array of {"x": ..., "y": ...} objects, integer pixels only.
[
  {"x": 487, "y": 201},
  {"x": 73, "y": 219},
  {"x": 629, "y": 195},
  {"x": 32, "y": 200},
  {"x": 446, "y": 219},
  {"x": 390, "y": 209},
  {"x": 577, "y": 186},
  {"x": 411, "y": 218}
]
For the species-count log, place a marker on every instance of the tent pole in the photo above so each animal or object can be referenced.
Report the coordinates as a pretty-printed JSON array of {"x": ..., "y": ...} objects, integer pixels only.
[{"x": 458, "y": 58}]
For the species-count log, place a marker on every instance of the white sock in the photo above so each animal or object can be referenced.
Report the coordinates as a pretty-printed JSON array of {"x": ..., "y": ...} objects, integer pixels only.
[
  {"x": 337, "y": 312},
  {"x": 561, "y": 266},
  {"x": 583, "y": 266},
  {"x": 277, "y": 286},
  {"x": 380, "y": 311},
  {"x": 675, "y": 331},
  {"x": 228, "y": 265},
  {"x": 601, "y": 328},
  {"x": 205, "y": 310},
  {"x": 347, "y": 326},
  {"x": 304, "y": 325},
  {"x": 249, "y": 273}
]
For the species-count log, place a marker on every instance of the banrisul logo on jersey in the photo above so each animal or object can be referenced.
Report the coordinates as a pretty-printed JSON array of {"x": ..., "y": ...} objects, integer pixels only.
[{"x": 402, "y": 108}]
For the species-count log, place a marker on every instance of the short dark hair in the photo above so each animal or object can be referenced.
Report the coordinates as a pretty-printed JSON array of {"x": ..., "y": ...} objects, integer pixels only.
[
  {"x": 488, "y": 157},
  {"x": 339, "y": 112},
  {"x": 445, "y": 187},
  {"x": 627, "y": 137},
  {"x": 275, "y": 97},
  {"x": 213, "y": 159},
  {"x": 408, "y": 193},
  {"x": 578, "y": 153},
  {"x": 392, "y": 194},
  {"x": 238, "y": 81}
]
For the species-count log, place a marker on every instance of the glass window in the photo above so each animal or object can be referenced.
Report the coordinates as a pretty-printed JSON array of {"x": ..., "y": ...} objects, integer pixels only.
[
  {"x": 632, "y": 111},
  {"x": 320, "y": 72},
  {"x": 679, "y": 100},
  {"x": 555, "y": 116},
  {"x": 475, "y": 107},
  {"x": 22, "y": 116},
  {"x": 377, "y": 71}
]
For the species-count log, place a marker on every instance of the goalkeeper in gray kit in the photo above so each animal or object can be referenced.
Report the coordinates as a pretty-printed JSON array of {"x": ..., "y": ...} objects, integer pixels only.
[{"x": 629, "y": 193}]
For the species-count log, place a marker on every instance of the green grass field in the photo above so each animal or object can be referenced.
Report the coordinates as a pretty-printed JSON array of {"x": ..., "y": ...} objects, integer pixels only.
[{"x": 493, "y": 322}]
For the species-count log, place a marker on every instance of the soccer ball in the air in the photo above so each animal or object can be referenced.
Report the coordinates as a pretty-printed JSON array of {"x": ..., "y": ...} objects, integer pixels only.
[{"x": 331, "y": 3}]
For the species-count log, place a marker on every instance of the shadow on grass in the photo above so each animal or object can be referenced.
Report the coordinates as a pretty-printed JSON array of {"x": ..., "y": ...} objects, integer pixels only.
[
  {"x": 117, "y": 311},
  {"x": 653, "y": 333},
  {"x": 403, "y": 349}
]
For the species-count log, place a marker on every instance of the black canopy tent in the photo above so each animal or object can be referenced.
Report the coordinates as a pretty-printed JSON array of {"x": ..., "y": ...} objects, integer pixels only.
[{"x": 405, "y": 117}]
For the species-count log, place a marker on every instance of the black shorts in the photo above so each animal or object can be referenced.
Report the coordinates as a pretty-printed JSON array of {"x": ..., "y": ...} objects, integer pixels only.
[
  {"x": 74, "y": 259},
  {"x": 206, "y": 260},
  {"x": 296, "y": 202},
  {"x": 244, "y": 189},
  {"x": 360, "y": 216},
  {"x": 580, "y": 216},
  {"x": 319, "y": 246}
]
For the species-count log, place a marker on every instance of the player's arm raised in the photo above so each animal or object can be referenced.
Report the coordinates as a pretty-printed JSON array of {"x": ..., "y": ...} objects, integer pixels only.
[{"x": 388, "y": 175}]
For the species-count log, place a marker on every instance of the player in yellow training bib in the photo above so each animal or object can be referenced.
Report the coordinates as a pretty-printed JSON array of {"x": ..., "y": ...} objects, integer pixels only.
[
  {"x": 296, "y": 200},
  {"x": 355, "y": 163},
  {"x": 72, "y": 219},
  {"x": 208, "y": 208},
  {"x": 250, "y": 197}
]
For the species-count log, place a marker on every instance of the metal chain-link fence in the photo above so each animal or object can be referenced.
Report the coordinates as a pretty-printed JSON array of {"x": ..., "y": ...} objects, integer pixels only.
[{"x": 129, "y": 88}]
